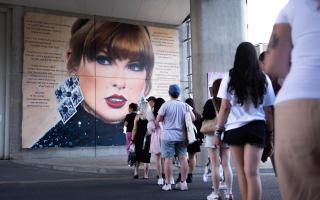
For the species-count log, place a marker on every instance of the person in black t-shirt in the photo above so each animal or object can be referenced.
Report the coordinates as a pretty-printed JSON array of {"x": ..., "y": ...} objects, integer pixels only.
[{"x": 129, "y": 122}]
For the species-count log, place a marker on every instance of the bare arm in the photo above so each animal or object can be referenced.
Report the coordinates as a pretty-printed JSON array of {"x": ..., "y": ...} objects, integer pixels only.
[
  {"x": 269, "y": 117},
  {"x": 279, "y": 50},
  {"x": 135, "y": 127},
  {"x": 159, "y": 119},
  {"x": 223, "y": 113},
  {"x": 270, "y": 123}
]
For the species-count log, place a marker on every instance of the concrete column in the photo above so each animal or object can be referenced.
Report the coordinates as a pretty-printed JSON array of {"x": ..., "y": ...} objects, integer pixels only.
[{"x": 217, "y": 28}]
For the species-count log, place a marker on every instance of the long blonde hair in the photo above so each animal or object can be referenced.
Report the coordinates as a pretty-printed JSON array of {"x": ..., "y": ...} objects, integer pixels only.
[{"x": 143, "y": 109}]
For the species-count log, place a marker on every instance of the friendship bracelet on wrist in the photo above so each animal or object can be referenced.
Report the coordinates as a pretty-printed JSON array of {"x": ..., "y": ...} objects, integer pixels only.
[{"x": 219, "y": 128}]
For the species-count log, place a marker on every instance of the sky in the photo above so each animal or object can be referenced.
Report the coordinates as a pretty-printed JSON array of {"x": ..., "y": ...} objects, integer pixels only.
[{"x": 261, "y": 17}]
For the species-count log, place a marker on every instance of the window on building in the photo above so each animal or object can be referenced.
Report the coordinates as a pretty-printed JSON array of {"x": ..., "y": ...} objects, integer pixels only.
[{"x": 186, "y": 54}]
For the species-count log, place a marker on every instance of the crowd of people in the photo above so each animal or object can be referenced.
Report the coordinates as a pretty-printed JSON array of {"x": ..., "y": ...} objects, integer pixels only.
[
  {"x": 248, "y": 115},
  {"x": 242, "y": 104}
]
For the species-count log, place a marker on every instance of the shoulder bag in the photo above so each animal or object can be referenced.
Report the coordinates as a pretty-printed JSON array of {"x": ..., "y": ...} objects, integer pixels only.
[
  {"x": 208, "y": 126},
  {"x": 191, "y": 130}
]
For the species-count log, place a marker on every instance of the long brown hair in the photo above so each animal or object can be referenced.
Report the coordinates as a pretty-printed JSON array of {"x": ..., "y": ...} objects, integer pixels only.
[
  {"x": 247, "y": 81},
  {"x": 215, "y": 88}
]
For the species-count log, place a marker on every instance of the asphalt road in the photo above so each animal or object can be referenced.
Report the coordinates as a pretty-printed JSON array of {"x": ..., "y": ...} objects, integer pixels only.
[{"x": 26, "y": 182}]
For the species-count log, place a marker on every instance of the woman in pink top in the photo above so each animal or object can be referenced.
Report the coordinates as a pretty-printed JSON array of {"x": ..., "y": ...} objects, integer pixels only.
[{"x": 155, "y": 139}]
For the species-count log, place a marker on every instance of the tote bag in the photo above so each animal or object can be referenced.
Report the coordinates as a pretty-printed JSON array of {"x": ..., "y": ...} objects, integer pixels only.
[{"x": 191, "y": 130}]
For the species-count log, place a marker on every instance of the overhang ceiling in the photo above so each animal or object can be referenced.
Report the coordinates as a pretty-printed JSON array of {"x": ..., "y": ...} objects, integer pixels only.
[{"x": 171, "y": 12}]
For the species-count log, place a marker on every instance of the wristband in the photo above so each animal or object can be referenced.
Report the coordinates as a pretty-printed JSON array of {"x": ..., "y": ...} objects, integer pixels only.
[{"x": 219, "y": 128}]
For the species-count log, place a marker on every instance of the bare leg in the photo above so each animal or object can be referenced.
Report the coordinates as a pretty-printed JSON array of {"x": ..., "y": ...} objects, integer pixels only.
[
  {"x": 146, "y": 170},
  {"x": 158, "y": 164},
  {"x": 252, "y": 156},
  {"x": 215, "y": 162},
  {"x": 238, "y": 160},
  {"x": 183, "y": 167},
  {"x": 168, "y": 169},
  {"x": 225, "y": 161},
  {"x": 192, "y": 162},
  {"x": 136, "y": 169},
  {"x": 162, "y": 164}
]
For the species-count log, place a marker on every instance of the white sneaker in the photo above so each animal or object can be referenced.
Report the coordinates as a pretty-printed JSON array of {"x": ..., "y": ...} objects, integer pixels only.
[
  {"x": 172, "y": 180},
  {"x": 213, "y": 196},
  {"x": 166, "y": 187},
  {"x": 160, "y": 181},
  {"x": 207, "y": 177},
  {"x": 182, "y": 186}
]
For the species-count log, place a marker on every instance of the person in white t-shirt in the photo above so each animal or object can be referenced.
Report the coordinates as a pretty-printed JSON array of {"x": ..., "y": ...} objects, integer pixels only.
[
  {"x": 293, "y": 53},
  {"x": 247, "y": 96}
]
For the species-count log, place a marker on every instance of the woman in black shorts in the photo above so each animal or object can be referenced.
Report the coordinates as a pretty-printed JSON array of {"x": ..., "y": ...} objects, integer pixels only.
[
  {"x": 194, "y": 147},
  {"x": 247, "y": 96}
]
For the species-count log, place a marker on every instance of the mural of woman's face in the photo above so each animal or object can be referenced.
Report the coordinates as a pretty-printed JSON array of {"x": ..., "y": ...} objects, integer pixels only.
[{"x": 109, "y": 86}]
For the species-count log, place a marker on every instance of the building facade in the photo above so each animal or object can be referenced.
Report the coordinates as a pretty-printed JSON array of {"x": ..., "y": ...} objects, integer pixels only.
[{"x": 34, "y": 48}]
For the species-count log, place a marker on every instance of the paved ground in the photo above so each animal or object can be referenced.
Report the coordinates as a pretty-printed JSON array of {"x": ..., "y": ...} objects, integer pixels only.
[{"x": 101, "y": 178}]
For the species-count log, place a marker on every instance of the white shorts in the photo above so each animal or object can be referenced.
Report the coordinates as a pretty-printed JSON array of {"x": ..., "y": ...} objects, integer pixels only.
[{"x": 208, "y": 142}]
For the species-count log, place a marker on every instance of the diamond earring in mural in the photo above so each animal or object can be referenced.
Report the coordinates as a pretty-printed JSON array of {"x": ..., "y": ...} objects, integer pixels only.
[
  {"x": 68, "y": 96},
  {"x": 66, "y": 110},
  {"x": 60, "y": 93},
  {"x": 75, "y": 91}
]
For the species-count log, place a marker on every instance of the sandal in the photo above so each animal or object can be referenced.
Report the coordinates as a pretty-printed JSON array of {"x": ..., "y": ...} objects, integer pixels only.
[{"x": 229, "y": 197}]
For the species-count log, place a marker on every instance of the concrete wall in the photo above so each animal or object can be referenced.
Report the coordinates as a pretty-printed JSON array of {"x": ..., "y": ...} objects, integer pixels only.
[
  {"x": 183, "y": 64},
  {"x": 15, "y": 81}
]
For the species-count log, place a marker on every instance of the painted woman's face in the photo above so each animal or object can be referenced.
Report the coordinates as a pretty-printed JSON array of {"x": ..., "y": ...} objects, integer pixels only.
[{"x": 109, "y": 86}]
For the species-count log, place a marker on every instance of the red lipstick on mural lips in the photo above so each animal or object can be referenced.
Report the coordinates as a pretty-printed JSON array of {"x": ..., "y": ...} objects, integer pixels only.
[{"x": 116, "y": 101}]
